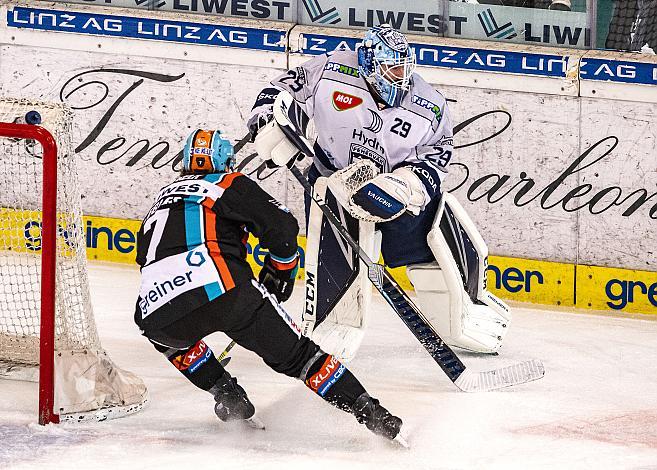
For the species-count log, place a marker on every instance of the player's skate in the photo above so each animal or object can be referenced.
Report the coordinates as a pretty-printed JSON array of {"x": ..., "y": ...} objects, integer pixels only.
[
  {"x": 369, "y": 412},
  {"x": 232, "y": 403}
]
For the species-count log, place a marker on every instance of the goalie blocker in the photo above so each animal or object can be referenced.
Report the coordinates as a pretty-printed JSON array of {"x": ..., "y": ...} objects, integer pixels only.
[{"x": 451, "y": 291}]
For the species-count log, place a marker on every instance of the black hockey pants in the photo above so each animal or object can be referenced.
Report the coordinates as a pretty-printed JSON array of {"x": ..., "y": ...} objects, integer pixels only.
[{"x": 254, "y": 320}]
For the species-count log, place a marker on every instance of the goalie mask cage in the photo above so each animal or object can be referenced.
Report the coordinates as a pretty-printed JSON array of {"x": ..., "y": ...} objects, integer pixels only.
[{"x": 46, "y": 318}]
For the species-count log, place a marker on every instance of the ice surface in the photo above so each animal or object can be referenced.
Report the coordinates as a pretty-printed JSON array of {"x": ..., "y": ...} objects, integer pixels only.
[{"x": 596, "y": 408}]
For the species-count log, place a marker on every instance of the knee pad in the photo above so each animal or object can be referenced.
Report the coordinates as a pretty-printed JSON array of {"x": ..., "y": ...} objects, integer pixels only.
[{"x": 338, "y": 291}]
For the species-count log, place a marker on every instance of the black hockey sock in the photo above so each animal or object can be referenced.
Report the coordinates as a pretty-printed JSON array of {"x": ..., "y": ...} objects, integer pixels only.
[
  {"x": 197, "y": 363},
  {"x": 332, "y": 381}
]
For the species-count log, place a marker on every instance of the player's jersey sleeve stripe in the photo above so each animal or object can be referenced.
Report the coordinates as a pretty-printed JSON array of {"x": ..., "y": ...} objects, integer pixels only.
[
  {"x": 213, "y": 177},
  {"x": 213, "y": 247}
]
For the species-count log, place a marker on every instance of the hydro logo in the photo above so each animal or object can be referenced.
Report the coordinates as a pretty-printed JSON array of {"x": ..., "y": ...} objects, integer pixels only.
[{"x": 344, "y": 101}]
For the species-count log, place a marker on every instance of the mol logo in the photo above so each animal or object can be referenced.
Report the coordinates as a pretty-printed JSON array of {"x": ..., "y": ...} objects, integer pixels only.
[{"x": 344, "y": 101}]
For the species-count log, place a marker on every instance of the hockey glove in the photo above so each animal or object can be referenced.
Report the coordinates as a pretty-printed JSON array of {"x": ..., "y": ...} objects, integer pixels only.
[
  {"x": 388, "y": 195},
  {"x": 278, "y": 276}
]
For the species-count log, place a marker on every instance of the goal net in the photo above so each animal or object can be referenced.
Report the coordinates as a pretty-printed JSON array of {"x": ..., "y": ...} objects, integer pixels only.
[
  {"x": 633, "y": 25},
  {"x": 87, "y": 384}
]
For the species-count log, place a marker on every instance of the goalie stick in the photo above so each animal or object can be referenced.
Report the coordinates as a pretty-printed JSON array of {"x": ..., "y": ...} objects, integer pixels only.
[{"x": 287, "y": 113}]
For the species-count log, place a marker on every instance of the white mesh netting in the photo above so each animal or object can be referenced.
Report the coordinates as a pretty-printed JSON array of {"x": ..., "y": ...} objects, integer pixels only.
[
  {"x": 77, "y": 345},
  {"x": 20, "y": 242}
]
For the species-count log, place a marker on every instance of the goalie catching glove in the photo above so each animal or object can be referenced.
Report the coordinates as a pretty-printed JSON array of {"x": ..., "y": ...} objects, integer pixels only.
[
  {"x": 278, "y": 276},
  {"x": 388, "y": 195}
]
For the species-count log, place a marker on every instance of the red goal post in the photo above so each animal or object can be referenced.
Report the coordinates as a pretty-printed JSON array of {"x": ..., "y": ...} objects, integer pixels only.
[
  {"x": 46, "y": 318},
  {"x": 48, "y": 260}
]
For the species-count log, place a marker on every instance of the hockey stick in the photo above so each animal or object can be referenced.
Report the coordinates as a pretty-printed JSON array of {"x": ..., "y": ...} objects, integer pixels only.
[
  {"x": 465, "y": 379},
  {"x": 241, "y": 143},
  {"x": 223, "y": 360}
]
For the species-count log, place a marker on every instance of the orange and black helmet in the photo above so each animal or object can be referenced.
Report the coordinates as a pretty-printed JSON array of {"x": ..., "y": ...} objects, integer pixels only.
[{"x": 207, "y": 152}]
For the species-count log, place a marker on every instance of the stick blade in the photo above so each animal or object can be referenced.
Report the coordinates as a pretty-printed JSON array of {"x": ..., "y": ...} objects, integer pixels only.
[{"x": 495, "y": 379}]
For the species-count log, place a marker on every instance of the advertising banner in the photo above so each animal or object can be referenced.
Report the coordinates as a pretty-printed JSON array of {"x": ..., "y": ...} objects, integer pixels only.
[
  {"x": 131, "y": 116},
  {"x": 529, "y": 26},
  {"x": 437, "y": 18},
  {"x": 618, "y": 71},
  {"x": 524, "y": 280},
  {"x": 145, "y": 28},
  {"x": 560, "y": 179},
  {"x": 278, "y": 10},
  {"x": 454, "y": 57}
]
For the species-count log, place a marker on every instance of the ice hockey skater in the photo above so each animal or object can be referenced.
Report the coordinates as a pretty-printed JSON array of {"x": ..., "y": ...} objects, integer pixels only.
[
  {"x": 382, "y": 142},
  {"x": 195, "y": 281}
]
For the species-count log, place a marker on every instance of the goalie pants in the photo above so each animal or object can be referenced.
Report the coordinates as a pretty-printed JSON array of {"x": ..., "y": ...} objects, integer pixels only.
[
  {"x": 412, "y": 229},
  {"x": 254, "y": 320}
]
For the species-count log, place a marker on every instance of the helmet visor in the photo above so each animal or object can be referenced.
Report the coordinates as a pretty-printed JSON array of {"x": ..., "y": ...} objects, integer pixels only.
[{"x": 398, "y": 71}]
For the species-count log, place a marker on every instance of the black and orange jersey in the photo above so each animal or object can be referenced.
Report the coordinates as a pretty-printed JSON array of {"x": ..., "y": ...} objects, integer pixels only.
[{"x": 191, "y": 245}]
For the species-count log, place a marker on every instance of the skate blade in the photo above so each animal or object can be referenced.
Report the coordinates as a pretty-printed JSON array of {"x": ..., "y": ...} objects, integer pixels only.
[
  {"x": 402, "y": 439},
  {"x": 255, "y": 422}
]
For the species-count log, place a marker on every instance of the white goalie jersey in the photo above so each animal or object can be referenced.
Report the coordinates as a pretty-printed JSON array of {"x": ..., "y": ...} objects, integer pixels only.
[{"x": 352, "y": 126}]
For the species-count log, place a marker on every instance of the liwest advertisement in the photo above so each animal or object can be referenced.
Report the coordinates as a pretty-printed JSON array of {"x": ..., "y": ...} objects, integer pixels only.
[{"x": 466, "y": 20}]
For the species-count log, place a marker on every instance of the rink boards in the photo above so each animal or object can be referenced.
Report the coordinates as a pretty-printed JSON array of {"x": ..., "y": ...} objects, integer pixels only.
[
  {"x": 525, "y": 280},
  {"x": 555, "y": 149}
]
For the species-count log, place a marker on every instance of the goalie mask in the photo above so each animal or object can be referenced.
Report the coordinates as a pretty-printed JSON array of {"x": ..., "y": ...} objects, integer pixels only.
[
  {"x": 207, "y": 152},
  {"x": 387, "y": 62}
]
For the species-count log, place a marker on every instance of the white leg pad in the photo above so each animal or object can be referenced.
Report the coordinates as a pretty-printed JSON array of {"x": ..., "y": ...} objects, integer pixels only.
[
  {"x": 342, "y": 331},
  {"x": 453, "y": 296}
]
